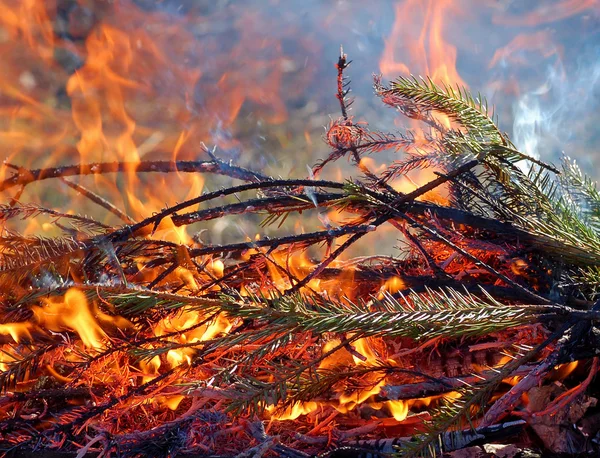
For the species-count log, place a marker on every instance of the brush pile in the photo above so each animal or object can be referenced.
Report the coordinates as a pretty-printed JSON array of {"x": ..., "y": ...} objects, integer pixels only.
[{"x": 123, "y": 342}]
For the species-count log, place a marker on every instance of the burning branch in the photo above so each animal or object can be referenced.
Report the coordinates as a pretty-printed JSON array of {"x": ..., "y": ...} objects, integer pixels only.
[{"x": 24, "y": 177}]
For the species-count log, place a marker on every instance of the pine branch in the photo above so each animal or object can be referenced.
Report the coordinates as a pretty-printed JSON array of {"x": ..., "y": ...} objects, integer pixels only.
[{"x": 471, "y": 402}]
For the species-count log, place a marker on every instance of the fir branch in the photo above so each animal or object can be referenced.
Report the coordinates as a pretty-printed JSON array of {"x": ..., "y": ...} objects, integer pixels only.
[
  {"x": 462, "y": 410},
  {"x": 21, "y": 362},
  {"x": 342, "y": 84},
  {"x": 31, "y": 210},
  {"x": 423, "y": 95},
  {"x": 19, "y": 252},
  {"x": 270, "y": 205}
]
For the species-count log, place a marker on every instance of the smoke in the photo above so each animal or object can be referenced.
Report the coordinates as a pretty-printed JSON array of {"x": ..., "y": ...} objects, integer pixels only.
[{"x": 559, "y": 115}]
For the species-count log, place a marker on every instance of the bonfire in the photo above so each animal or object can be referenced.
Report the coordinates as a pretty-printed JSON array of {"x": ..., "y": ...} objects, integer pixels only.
[{"x": 146, "y": 337}]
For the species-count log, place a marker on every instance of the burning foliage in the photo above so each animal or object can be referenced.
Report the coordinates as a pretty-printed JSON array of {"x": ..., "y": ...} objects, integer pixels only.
[
  {"x": 139, "y": 340},
  {"x": 125, "y": 334}
]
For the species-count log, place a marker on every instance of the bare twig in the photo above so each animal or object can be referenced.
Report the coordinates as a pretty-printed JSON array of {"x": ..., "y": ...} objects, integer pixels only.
[
  {"x": 24, "y": 177},
  {"x": 99, "y": 200},
  {"x": 380, "y": 220}
]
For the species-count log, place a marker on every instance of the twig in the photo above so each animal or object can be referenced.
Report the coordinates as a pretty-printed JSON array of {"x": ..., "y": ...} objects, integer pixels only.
[
  {"x": 506, "y": 403},
  {"x": 442, "y": 385},
  {"x": 24, "y": 176},
  {"x": 452, "y": 440},
  {"x": 99, "y": 200},
  {"x": 310, "y": 238},
  {"x": 379, "y": 221},
  {"x": 268, "y": 204},
  {"x": 569, "y": 396},
  {"x": 342, "y": 90},
  {"x": 436, "y": 235},
  {"x": 439, "y": 271},
  {"x": 155, "y": 220},
  {"x": 51, "y": 393},
  {"x": 343, "y": 247}
]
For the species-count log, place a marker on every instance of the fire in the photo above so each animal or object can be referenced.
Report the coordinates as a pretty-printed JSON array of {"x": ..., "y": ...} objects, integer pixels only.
[
  {"x": 391, "y": 286},
  {"x": 69, "y": 313},
  {"x": 97, "y": 89},
  {"x": 18, "y": 331},
  {"x": 515, "y": 51},
  {"x": 129, "y": 93},
  {"x": 132, "y": 86},
  {"x": 398, "y": 409},
  {"x": 297, "y": 263},
  {"x": 189, "y": 326},
  {"x": 426, "y": 53},
  {"x": 423, "y": 52},
  {"x": 294, "y": 411},
  {"x": 562, "y": 371},
  {"x": 150, "y": 368},
  {"x": 31, "y": 20}
]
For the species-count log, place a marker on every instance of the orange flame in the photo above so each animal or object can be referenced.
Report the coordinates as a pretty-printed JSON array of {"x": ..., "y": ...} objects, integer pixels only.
[
  {"x": 69, "y": 313},
  {"x": 429, "y": 54}
]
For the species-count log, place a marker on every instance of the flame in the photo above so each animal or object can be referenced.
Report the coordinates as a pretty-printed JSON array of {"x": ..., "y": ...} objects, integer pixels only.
[
  {"x": 428, "y": 54},
  {"x": 200, "y": 329},
  {"x": 30, "y": 20},
  {"x": 172, "y": 402},
  {"x": 514, "y": 52},
  {"x": 361, "y": 353},
  {"x": 150, "y": 368},
  {"x": 151, "y": 202},
  {"x": 18, "y": 331},
  {"x": 69, "y": 313},
  {"x": 399, "y": 409},
  {"x": 422, "y": 52},
  {"x": 97, "y": 88},
  {"x": 512, "y": 381},
  {"x": 73, "y": 313},
  {"x": 391, "y": 286},
  {"x": 300, "y": 265},
  {"x": 294, "y": 411},
  {"x": 562, "y": 371},
  {"x": 134, "y": 94}
]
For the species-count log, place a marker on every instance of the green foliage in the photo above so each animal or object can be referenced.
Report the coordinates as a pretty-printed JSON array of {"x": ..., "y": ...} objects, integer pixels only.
[
  {"x": 423, "y": 96},
  {"x": 561, "y": 206}
]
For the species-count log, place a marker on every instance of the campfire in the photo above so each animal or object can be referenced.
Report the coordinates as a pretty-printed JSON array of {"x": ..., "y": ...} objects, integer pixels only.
[{"x": 422, "y": 286}]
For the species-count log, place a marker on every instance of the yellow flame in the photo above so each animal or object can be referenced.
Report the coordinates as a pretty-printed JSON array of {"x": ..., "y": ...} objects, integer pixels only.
[
  {"x": 392, "y": 285},
  {"x": 398, "y": 409},
  {"x": 294, "y": 411},
  {"x": 18, "y": 331},
  {"x": 189, "y": 318},
  {"x": 564, "y": 370},
  {"x": 69, "y": 313}
]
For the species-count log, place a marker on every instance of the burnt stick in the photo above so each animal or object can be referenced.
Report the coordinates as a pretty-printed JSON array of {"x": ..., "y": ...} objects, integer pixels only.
[{"x": 25, "y": 176}]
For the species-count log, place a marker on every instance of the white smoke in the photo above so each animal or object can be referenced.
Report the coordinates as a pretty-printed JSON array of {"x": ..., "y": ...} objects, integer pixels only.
[{"x": 560, "y": 114}]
